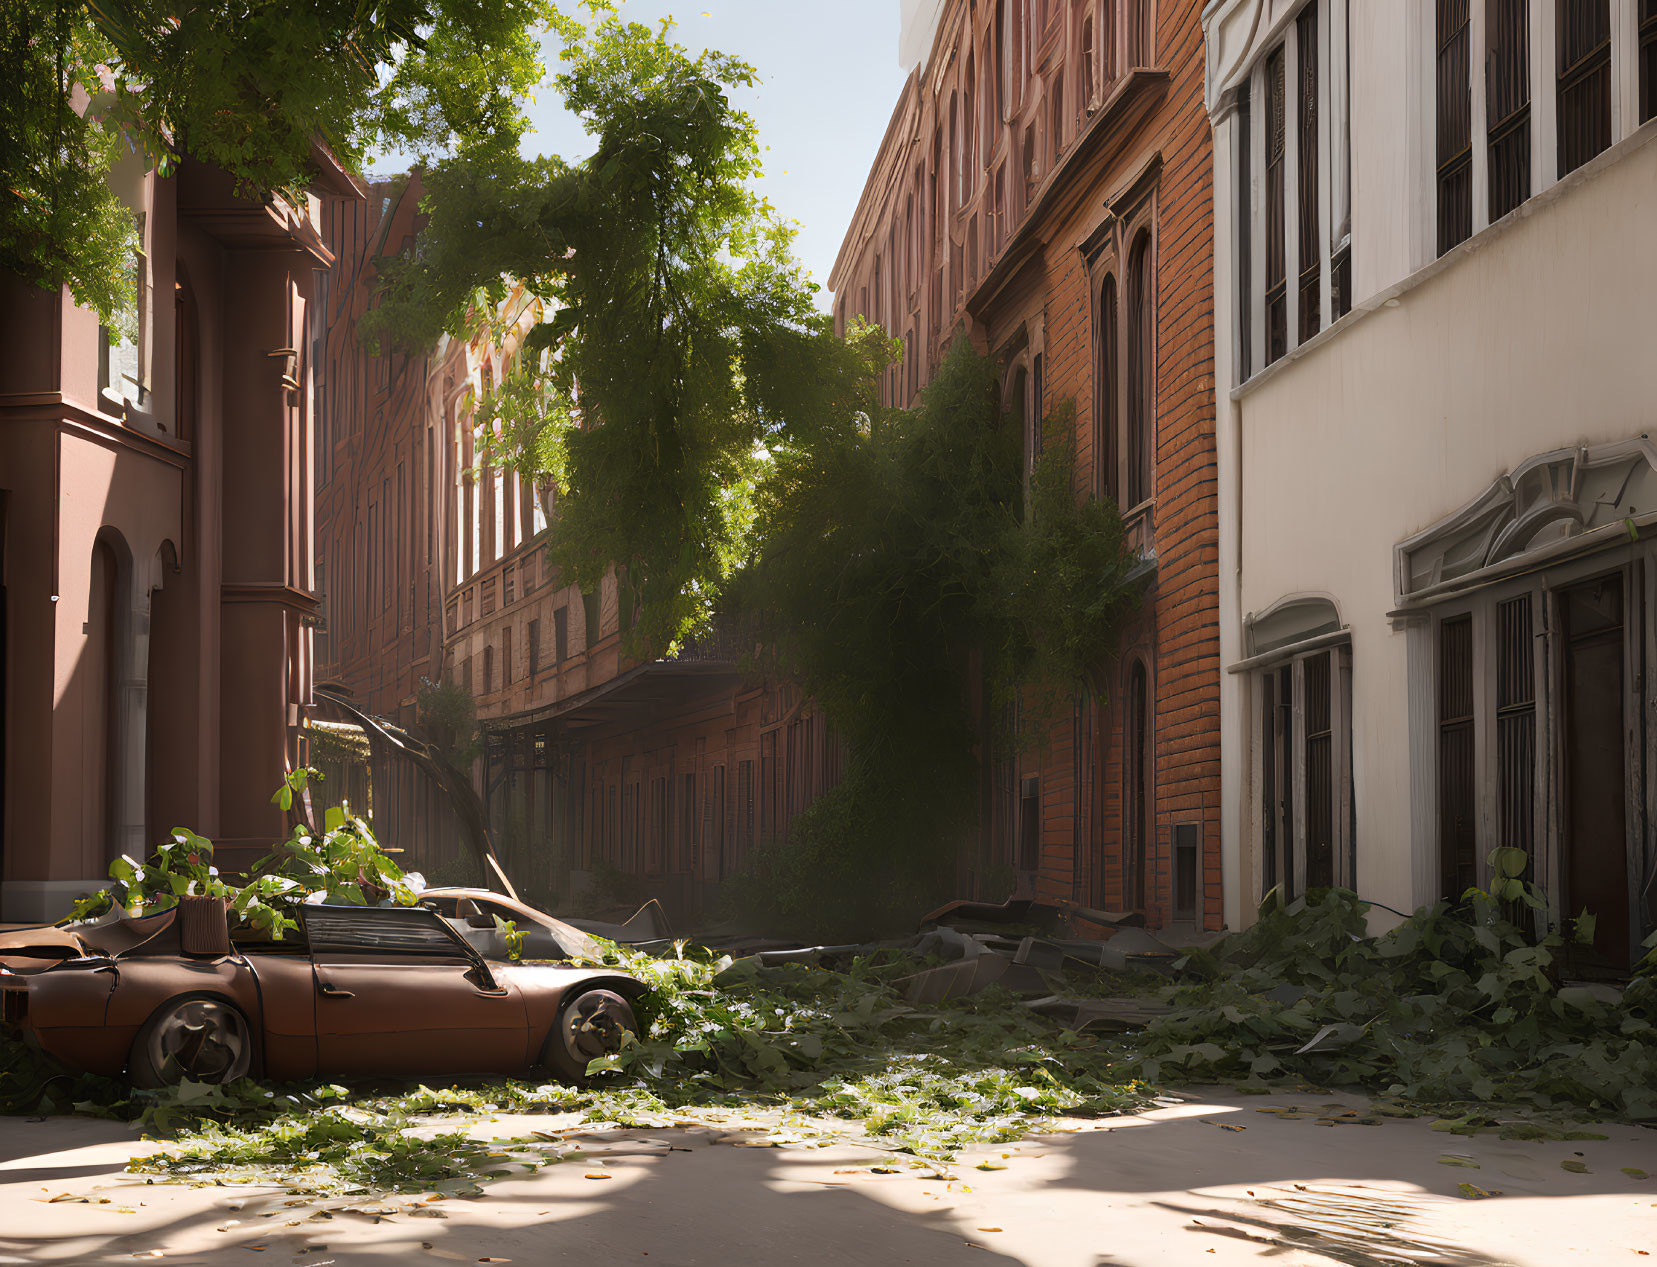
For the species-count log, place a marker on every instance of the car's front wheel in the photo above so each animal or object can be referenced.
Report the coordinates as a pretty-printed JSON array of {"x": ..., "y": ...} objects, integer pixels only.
[
  {"x": 204, "y": 1040},
  {"x": 593, "y": 1023}
]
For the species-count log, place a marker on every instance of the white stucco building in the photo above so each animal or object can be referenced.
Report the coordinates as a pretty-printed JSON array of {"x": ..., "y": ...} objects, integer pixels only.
[{"x": 1436, "y": 364}]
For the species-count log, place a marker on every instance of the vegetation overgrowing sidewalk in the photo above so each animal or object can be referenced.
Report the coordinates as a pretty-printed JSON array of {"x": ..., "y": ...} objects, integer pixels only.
[{"x": 1456, "y": 1011}]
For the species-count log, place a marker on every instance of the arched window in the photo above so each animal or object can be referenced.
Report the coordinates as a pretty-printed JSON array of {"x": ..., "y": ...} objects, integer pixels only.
[
  {"x": 969, "y": 139},
  {"x": 1109, "y": 61},
  {"x": 1136, "y": 794},
  {"x": 1106, "y": 389},
  {"x": 1141, "y": 428},
  {"x": 186, "y": 357},
  {"x": 1019, "y": 412}
]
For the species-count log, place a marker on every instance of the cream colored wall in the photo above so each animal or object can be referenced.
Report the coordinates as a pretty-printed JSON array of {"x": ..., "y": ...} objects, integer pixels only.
[{"x": 1537, "y": 334}]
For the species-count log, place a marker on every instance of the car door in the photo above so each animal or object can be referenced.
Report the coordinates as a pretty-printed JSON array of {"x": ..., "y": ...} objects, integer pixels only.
[{"x": 397, "y": 994}]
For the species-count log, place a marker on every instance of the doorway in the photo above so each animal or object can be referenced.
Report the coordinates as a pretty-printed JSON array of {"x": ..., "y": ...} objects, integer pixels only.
[{"x": 1595, "y": 761}]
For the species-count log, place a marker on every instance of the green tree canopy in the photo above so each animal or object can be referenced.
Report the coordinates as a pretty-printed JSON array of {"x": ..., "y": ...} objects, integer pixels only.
[
  {"x": 674, "y": 309},
  {"x": 708, "y": 433},
  {"x": 245, "y": 85}
]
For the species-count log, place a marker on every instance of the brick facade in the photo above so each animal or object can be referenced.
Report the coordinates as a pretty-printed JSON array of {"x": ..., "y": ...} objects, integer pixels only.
[
  {"x": 433, "y": 566},
  {"x": 1046, "y": 154}
]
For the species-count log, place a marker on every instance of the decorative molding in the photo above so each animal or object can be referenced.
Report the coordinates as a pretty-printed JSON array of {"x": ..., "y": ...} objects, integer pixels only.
[
  {"x": 1291, "y": 620},
  {"x": 1538, "y": 508}
]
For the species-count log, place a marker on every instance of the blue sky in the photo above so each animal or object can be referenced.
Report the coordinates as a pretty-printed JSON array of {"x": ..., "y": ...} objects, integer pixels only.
[{"x": 829, "y": 79}]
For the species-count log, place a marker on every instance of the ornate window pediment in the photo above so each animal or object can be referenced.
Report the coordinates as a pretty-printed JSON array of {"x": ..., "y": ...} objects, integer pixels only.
[{"x": 1588, "y": 493}]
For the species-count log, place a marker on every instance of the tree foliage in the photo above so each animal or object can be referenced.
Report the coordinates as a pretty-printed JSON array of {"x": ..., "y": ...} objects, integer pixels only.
[
  {"x": 244, "y": 85},
  {"x": 901, "y": 575},
  {"x": 667, "y": 282},
  {"x": 707, "y": 433}
]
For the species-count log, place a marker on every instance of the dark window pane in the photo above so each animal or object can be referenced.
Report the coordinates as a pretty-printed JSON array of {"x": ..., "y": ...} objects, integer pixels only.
[
  {"x": 1584, "y": 81},
  {"x": 1310, "y": 262},
  {"x": 1647, "y": 56},
  {"x": 1245, "y": 235},
  {"x": 1320, "y": 783},
  {"x": 1277, "y": 262},
  {"x": 1106, "y": 387},
  {"x": 1456, "y": 836},
  {"x": 1516, "y": 722},
  {"x": 1455, "y": 124},
  {"x": 1507, "y": 84},
  {"x": 1141, "y": 394}
]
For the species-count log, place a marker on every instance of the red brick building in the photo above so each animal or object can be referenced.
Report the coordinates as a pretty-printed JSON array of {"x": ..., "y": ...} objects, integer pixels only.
[
  {"x": 1045, "y": 189},
  {"x": 156, "y": 596},
  {"x": 432, "y": 566}
]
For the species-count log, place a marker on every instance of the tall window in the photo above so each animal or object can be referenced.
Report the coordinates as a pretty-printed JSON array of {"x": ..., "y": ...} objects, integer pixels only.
[
  {"x": 1455, "y": 124},
  {"x": 1090, "y": 69},
  {"x": 1648, "y": 60},
  {"x": 1110, "y": 65},
  {"x": 1507, "y": 94},
  {"x": 1136, "y": 794},
  {"x": 1339, "y": 115},
  {"x": 1320, "y": 773},
  {"x": 1516, "y": 721},
  {"x": 1311, "y": 253},
  {"x": 958, "y": 187},
  {"x": 1141, "y": 342},
  {"x": 1457, "y": 809},
  {"x": 1055, "y": 119},
  {"x": 1277, "y": 263},
  {"x": 1245, "y": 235},
  {"x": 1141, "y": 34},
  {"x": 1106, "y": 387},
  {"x": 1584, "y": 81}
]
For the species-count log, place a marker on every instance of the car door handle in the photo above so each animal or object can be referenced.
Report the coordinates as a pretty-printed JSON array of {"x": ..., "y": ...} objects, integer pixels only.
[{"x": 330, "y": 991}]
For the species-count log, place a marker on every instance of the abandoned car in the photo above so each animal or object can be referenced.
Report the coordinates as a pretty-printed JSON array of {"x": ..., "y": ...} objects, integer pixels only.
[{"x": 356, "y": 992}]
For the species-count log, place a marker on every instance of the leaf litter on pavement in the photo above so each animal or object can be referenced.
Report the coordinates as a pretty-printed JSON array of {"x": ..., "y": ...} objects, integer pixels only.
[{"x": 1454, "y": 1011}]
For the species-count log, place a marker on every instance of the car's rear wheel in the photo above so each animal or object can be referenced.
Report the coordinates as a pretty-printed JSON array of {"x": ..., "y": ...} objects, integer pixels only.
[
  {"x": 593, "y": 1023},
  {"x": 204, "y": 1040}
]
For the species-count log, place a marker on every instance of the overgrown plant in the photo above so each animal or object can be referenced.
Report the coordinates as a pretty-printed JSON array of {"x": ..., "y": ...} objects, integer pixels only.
[
  {"x": 1458, "y": 1003},
  {"x": 669, "y": 294},
  {"x": 341, "y": 863},
  {"x": 247, "y": 86},
  {"x": 899, "y": 577}
]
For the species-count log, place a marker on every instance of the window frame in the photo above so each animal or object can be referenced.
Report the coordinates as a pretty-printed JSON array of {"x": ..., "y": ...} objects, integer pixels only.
[
  {"x": 1482, "y": 606},
  {"x": 1265, "y": 302},
  {"x": 1289, "y": 824}
]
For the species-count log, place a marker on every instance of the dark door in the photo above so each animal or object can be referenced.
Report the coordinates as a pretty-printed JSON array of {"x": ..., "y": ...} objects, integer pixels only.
[{"x": 1596, "y": 766}]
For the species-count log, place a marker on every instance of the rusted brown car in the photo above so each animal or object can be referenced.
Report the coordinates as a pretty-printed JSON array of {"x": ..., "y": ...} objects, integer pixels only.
[{"x": 358, "y": 992}]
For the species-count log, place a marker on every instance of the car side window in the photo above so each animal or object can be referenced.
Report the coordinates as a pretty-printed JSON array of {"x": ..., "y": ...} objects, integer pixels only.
[{"x": 395, "y": 930}]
